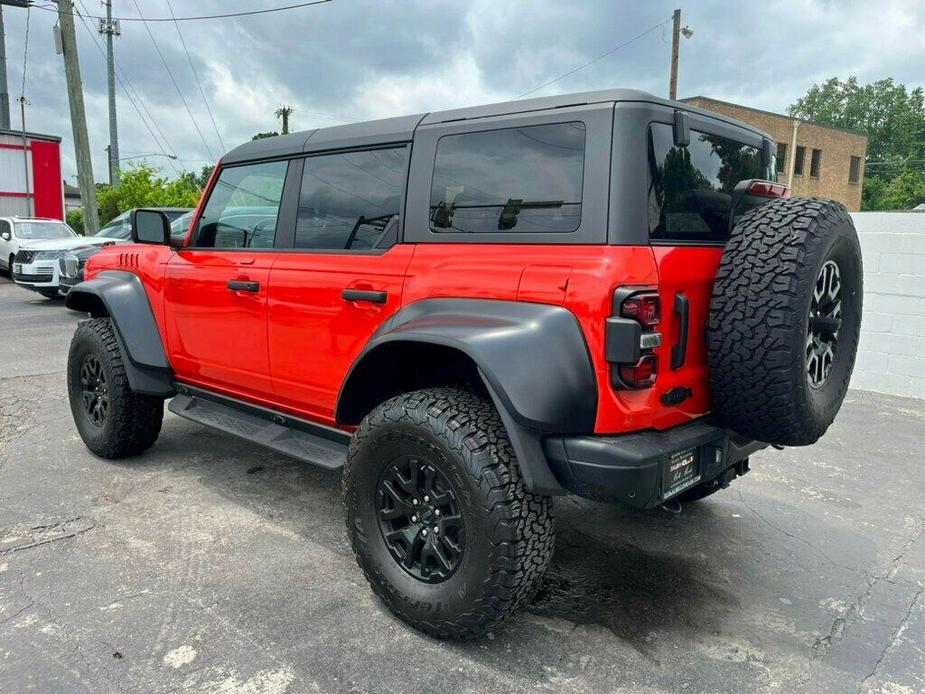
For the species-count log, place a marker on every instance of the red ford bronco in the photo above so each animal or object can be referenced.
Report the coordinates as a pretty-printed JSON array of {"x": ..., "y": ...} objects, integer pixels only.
[{"x": 472, "y": 311}]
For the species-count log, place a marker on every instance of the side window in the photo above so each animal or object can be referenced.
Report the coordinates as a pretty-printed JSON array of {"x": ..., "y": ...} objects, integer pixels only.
[
  {"x": 520, "y": 180},
  {"x": 351, "y": 200},
  {"x": 690, "y": 188},
  {"x": 242, "y": 209}
]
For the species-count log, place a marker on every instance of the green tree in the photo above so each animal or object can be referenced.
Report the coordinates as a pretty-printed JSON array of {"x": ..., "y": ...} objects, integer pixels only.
[
  {"x": 893, "y": 118},
  {"x": 75, "y": 220},
  {"x": 141, "y": 186},
  {"x": 261, "y": 136}
]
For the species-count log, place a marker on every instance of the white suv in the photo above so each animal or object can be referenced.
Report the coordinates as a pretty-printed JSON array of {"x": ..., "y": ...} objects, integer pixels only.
[{"x": 30, "y": 249}]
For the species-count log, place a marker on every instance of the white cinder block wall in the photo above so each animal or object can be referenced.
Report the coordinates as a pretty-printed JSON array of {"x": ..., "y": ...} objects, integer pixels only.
[{"x": 891, "y": 356}]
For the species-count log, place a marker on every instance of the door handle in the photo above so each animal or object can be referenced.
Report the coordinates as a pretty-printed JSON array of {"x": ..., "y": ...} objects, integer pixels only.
[
  {"x": 243, "y": 286},
  {"x": 679, "y": 351},
  {"x": 373, "y": 297}
]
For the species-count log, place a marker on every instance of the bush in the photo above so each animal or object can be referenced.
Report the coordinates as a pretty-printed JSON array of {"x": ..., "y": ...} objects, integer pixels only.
[{"x": 75, "y": 220}]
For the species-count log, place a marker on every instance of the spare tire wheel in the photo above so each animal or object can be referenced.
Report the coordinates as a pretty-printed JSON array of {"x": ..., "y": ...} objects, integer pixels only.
[{"x": 785, "y": 316}]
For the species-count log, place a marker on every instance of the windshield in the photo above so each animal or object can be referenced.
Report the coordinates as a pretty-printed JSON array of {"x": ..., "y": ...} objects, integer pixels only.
[
  {"x": 120, "y": 222},
  {"x": 42, "y": 230}
]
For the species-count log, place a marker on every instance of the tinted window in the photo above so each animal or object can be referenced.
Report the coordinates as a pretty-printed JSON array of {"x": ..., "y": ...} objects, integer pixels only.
[
  {"x": 781, "y": 157},
  {"x": 815, "y": 163},
  {"x": 351, "y": 200},
  {"x": 690, "y": 190},
  {"x": 512, "y": 180},
  {"x": 800, "y": 160},
  {"x": 854, "y": 172},
  {"x": 242, "y": 209}
]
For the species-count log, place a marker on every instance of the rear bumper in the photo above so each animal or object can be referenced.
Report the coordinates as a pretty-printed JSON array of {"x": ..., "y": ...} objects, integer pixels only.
[{"x": 631, "y": 468}]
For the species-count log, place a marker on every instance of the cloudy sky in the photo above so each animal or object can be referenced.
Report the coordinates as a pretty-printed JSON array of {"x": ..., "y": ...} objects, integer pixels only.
[{"x": 358, "y": 59}]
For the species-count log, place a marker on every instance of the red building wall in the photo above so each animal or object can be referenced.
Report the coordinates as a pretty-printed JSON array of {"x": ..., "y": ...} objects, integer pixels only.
[{"x": 46, "y": 179}]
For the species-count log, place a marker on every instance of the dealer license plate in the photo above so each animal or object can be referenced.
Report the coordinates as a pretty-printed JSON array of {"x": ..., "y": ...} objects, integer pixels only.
[{"x": 681, "y": 472}]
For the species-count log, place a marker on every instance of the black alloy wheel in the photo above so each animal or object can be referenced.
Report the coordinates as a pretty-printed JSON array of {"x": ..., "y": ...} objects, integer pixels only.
[
  {"x": 94, "y": 390},
  {"x": 420, "y": 519}
]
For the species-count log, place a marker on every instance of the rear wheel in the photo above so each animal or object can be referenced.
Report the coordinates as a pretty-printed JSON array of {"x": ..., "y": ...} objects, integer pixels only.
[
  {"x": 112, "y": 420},
  {"x": 785, "y": 319},
  {"x": 439, "y": 518}
]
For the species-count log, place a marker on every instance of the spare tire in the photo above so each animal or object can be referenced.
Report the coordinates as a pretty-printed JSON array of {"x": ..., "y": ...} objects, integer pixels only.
[{"x": 785, "y": 316}]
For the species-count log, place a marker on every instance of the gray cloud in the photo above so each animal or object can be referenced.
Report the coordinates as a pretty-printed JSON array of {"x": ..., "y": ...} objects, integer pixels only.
[{"x": 356, "y": 59}]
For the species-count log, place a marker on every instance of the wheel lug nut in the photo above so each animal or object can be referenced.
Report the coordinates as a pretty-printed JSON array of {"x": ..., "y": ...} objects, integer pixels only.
[
  {"x": 424, "y": 532},
  {"x": 414, "y": 519},
  {"x": 436, "y": 511},
  {"x": 414, "y": 501},
  {"x": 436, "y": 530},
  {"x": 426, "y": 499}
]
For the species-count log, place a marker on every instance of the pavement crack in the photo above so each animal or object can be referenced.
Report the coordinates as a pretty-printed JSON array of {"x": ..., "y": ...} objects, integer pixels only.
[
  {"x": 84, "y": 525},
  {"x": 894, "y": 638}
]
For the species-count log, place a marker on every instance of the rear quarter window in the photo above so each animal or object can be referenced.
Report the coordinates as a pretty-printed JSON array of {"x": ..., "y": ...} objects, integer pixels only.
[
  {"x": 521, "y": 180},
  {"x": 690, "y": 188}
]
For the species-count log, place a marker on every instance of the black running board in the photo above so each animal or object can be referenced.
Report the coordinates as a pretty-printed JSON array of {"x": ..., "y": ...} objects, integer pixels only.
[{"x": 297, "y": 438}]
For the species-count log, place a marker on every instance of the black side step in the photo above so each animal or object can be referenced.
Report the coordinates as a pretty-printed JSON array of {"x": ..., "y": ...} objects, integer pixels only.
[{"x": 263, "y": 427}]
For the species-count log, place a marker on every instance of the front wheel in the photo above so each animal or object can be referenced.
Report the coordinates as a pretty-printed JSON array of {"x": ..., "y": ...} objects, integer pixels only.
[
  {"x": 112, "y": 420},
  {"x": 440, "y": 521}
]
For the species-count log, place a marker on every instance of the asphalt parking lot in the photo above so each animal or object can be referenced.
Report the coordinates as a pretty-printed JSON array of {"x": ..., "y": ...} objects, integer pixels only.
[{"x": 209, "y": 565}]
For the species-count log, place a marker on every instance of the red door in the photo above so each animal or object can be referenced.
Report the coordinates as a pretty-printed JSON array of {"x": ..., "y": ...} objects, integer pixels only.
[
  {"x": 315, "y": 333},
  {"x": 217, "y": 319}
]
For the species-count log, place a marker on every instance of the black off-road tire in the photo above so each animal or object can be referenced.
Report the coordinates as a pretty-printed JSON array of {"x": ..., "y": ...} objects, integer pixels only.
[
  {"x": 508, "y": 530},
  {"x": 760, "y": 317},
  {"x": 133, "y": 421}
]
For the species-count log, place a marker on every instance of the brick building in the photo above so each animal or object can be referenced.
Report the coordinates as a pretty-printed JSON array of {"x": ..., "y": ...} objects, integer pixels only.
[{"x": 812, "y": 159}]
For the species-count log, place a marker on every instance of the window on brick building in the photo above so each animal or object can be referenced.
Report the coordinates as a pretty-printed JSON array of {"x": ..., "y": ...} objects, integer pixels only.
[
  {"x": 781, "y": 157},
  {"x": 854, "y": 171},
  {"x": 815, "y": 163},
  {"x": 800, "y": 160}
]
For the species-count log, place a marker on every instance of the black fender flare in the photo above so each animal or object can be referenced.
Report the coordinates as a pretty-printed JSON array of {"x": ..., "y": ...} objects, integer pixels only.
[
  {"x": 532, "y": 358},
  {"x": 122, "y": 297}
]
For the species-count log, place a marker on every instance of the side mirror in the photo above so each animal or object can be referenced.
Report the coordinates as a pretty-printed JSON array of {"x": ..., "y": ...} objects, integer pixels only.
[
  {"x": 5, "y": 235},
  {"x": 149, "y": 226},
  {"x": 682, "y": 129}
]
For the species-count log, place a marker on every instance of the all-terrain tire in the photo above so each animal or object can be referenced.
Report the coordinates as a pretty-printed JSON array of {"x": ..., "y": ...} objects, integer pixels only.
[
  {"x": 759, "y": 320},
  {"x": 508, "y": 530},
  {"x": 132, "y": 421}
]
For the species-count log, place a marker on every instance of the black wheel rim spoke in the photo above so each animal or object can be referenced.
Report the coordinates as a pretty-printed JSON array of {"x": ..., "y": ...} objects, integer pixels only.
[
  {"x": 94, "y": 392},
  {"x": 825, "y": 320},
  {"x": 420, "y": 519}
]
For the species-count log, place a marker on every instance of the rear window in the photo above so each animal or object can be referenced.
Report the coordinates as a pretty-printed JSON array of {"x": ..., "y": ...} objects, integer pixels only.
[
  {"x": 523, "y": 180},
  {"x": 690, "y": 188}
]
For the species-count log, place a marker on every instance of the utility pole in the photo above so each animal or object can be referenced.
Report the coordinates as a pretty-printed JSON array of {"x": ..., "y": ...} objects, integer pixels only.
[
  {"x": 78, "y": 116},
  {"x": 677, "y": 32},
  {"x": 110, "y": 27},
  {"x": 675, "y": 51},
  {"x": 4, "y": 89}
]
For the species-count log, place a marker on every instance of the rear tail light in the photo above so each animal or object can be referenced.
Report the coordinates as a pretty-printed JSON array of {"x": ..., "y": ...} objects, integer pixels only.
[
  {"x": 767, "y": 189},
  {"x": 645, "y": 308},
  {"x": 631, "y": 338},
  {"x": 642, "y": 374}
]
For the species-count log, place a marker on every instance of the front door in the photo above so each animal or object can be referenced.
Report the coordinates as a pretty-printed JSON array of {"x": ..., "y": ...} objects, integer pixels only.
[
  {"x": 343, "y": 278},
  {"x": 216, "y": 289}
]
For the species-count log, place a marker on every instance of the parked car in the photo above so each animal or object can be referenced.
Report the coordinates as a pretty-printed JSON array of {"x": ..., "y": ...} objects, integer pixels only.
[
  {"x": 32, "y": 247},
  {"x": 71, "y": 265},
  {"x": 604, "y": 294},
  {"x": 118, "y": 227}
]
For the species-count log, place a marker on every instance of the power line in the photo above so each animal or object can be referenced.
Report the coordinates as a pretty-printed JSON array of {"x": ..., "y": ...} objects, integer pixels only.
[
  {"x": 172, "y": 79},
  {"x": 134, "y": 102},
  {"x": 248, "y": 13},
  {"x": 594, "y": 60},
  {"x": 196, "y": 75}
]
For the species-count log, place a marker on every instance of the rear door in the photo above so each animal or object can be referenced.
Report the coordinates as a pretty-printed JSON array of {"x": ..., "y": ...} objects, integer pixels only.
[
  {"x": 216, "y": 289},
  {"x": 688, "y": 201},
  {"x": 342, "y": 276}
]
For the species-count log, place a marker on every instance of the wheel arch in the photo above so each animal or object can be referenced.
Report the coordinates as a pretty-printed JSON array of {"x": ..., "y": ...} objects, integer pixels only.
[
  {"x": 121, "y": 297},
  {"x": 503, "y": 349}
]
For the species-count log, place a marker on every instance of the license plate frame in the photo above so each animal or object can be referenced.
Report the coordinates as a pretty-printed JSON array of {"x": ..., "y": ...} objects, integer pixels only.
[{"x": 680, "y": 471}]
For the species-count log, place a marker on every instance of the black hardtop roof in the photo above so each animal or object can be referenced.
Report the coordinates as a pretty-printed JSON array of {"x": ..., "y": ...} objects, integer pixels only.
[{"x": 401, "y": 128}]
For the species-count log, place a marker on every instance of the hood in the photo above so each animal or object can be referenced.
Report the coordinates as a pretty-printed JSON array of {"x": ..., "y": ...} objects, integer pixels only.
[{"x": 64, "y": 244}]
